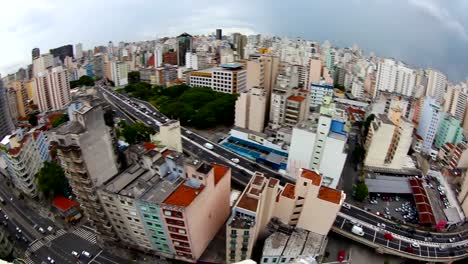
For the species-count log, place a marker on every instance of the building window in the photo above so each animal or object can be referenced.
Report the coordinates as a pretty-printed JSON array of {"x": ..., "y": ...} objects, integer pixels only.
[{"x": 283, "y": 260}]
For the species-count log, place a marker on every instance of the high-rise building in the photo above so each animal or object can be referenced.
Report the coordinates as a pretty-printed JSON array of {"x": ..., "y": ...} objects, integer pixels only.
[
  {"x": 167, "y": 205},
  {"x": 78, "y": 142},
  {"x": 319, "y": 145},
  {"x": 449, "y": 131},
  {"x": 24, "y": 155},
  {"x": 119, "y": 73},
  {"x": 315, "y": 71},
  {"x": 6, "y": 125},
  {"x": 429, "y": 123},
  {"x": 158, "y": 56},
  {"x": 239, "y": 42},
  {"x": 357, "y": 89},
  {"x": 170, "y": 58},
  {"x": 219, "y": 34},
  {"x": 436, "y": 85},
  {"x": 62, "y": 52},
  {"x": 21, "y": 97},
  {"x": 52, "y": 89},
  {"x": 35, "y": 53},
  {"x": 228, "y": 78},
  {"x": 78, "y": 51},
  {"x": 99, "y": 65},
  {"x": 306, "y": 204},
  {"x": 319, "y": 93},
  {"x": 42, "y": 63},
  {"x": 184, "y": 45},
  {"x": 456, "y": 99},
  {"x": 250, "y": 109},
  {"x": 388, "y": 141},
  {"x": 395, "y": 77}
]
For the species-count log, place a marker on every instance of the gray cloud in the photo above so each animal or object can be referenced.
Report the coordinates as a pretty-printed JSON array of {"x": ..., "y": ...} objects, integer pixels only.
[{"x": 426, "y": 33}]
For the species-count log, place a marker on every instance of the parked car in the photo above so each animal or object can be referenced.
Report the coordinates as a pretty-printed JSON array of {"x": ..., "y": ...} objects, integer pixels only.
[{"x": 86, "y": 254}]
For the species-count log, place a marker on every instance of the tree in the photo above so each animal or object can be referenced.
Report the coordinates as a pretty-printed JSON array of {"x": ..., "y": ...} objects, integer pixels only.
[
  {"x": 133, "y": 77},
  {"x": 84, "y": 80},
  {"x": 59, "y": 120},
  {"x": 135, "y": 133},
  {"x": 51, "y": 179},
  {"x": 361, "y": 192},
  {"x": 367, "y": 123},
  {"x": 339, "y": 87},
  {"x": 32, "y": 118},
  {"x": 359, "y": 153}
]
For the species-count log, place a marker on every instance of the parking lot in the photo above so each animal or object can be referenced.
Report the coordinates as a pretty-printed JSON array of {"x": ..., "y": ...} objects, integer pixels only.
[{"x": 394, "y": 208}]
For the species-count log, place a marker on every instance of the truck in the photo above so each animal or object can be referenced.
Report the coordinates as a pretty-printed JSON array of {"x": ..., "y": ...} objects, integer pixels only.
[
  {"x": 208, "y": 146},
  {"x": 357, "y": 230}
]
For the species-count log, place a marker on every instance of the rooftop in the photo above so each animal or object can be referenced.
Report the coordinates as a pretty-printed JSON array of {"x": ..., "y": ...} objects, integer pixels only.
[
  {"x": 70, "y": 127},
  {"x": 219, "y": 172},
  {"x": 288, "y": 191},
  {"x": 248, "y": 203},
  {"x": 312, "y": 175},
  {"x": 63, "y": 203},
  {"x": 329, "y": 194},
  {"x": 184, "y": 195},
  {"x": 204, "y": 168},
  {"x": 387, "y": 184},
  {"x": 275, "y": 244}
]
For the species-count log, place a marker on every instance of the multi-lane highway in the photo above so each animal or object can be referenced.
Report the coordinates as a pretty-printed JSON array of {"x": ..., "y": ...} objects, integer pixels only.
[{"x": 433, "y": 245}]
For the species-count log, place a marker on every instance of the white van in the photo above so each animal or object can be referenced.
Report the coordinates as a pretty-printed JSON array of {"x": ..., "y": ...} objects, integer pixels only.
[{"x": 357, "y": 230}]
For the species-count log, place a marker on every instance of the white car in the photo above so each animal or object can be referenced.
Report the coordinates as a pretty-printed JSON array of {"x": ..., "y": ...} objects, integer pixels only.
[
  {"x": 347, "y": 206},
  {"x": 51, "y": 260},
  {"x": 189, "y": 132},
  {"x": 75, "y": 254},
  {"x": 381, "y": 225},
  {"x": 415, "y": 245},
  {"x": 235, "y": 160},
  {"x": 86, "y": 254},
  {"x": 41, "y": 230}
]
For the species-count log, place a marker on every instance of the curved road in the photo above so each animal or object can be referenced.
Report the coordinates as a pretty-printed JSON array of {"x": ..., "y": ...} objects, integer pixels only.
[{"x": 432, "y": 245}]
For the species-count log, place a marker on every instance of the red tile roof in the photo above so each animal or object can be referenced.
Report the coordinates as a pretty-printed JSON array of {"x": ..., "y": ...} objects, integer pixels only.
[
  {"x": 15, "y": 151},
  {"x": 296, "y": 98},
  {"x": 219, "y": 172},
  {"x": 183, "y": 196},
  {"x": 425, "y": 213},
  {"x": 288, "y": 191},
  {"x": 166, "y": 153},
  {"x": 63, "y": 203},
  {"x": 312, "y": 175},
  {"x": 248, "y": 203},
  {"x": 329, "y": 194},
  {"x": 149, "y": 145}
]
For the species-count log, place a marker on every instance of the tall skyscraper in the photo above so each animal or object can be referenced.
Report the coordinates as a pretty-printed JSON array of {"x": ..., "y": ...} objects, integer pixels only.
[
  {"x": 219, "y": 34},
  {"x": 35, "y": 53},
  {"x": 6, "y": 125},
  {"x": 428, "y": 123},
  {"x": 62, "y": 52},
  {"x": 239, "y": 42},
  {"x": 184, "y": 45},
  {"x": 436, "y": 85},
  {"x": 79, "y": 142},
  {"x": 99, "y": 65},
  {"x": 52, "y": 89},
  {"x": 41, "y": 63},
  {"x": 78, "y": 51}
]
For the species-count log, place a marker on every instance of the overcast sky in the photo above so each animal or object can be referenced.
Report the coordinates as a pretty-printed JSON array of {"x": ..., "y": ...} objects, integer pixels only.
[{"x": 426, "y": 33}]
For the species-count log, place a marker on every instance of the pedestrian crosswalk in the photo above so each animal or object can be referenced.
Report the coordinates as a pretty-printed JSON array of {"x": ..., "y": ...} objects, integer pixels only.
[
  {"x": 58, "y": 233},
  {"x": 37, "y": 245},
  {"x": 85, "y": 234}
]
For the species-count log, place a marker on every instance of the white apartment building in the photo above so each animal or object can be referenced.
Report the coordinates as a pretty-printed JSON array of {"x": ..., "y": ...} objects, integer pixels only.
[
  {"x": 24, "y": 155},
  {"x": 388, "y": 141},
  {"x": 395, "y": 77},
  {"x": 119, "y": 73},
  {"x": 42, "y": 63},
  {"x": 456, "y": 99},
  {"x": 429, "y": 123},
  {"x": 436, "y": 85},
  {"x": 229, "y": 78},
  {"x": 251, "y": 109},
  {"x": 319, "y": 93},
  {"x": 307, "y": 204},
  {"x": 318, "y": 146},
  {"x": 357, "y": 89},
  {"x": 52, "y": 89}
]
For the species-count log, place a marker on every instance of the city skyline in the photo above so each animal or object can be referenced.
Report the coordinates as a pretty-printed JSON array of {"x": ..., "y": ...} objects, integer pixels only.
[{"x": 430, "y": 33}]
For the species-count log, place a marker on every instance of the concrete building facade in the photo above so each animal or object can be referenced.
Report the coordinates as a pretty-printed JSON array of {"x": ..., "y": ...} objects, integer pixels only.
[
  {"x": 251, "y": 109},
  {"x": 52, "y": 89},
  {"x": 449, "y": 131},
  {"x": 229, "y": 78},
  {"x": 429, "y": 123},
  {"x": 293, "y": 204},
  {"x": 436, "y": 85}
]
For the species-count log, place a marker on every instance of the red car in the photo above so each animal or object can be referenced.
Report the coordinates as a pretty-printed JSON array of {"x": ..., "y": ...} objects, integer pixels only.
[
  {"x": 341, "y": 255},
  {"x": 388, "y": 236}
]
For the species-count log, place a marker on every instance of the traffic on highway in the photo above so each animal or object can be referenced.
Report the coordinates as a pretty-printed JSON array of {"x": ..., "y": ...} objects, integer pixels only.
[{"x": 409, "y": 241}]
